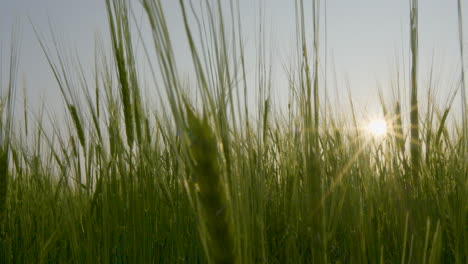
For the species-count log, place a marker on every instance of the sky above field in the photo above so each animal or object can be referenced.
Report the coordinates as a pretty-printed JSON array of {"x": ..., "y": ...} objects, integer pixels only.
[{"x": 363, "y": 39}]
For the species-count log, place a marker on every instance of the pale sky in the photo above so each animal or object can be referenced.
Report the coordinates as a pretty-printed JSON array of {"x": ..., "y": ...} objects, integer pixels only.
[{"x": 363, "y": 38}]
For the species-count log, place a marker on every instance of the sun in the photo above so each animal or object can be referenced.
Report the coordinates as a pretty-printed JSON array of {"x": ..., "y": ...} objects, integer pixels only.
[{"x": 377, "y": 127}]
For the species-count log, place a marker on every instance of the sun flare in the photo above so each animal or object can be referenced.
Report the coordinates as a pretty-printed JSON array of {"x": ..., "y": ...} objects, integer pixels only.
[{"x": 377, "y": 127}]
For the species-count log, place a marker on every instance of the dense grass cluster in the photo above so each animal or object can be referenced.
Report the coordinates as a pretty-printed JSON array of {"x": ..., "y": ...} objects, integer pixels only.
[{"x": 206, "y": 178}]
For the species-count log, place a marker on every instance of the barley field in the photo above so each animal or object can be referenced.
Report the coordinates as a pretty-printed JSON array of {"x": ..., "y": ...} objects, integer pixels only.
[{"x": 201, "y": 175}]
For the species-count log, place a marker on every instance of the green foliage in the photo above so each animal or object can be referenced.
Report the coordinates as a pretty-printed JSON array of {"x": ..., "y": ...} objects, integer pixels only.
[{"x": 219, "y": 180}]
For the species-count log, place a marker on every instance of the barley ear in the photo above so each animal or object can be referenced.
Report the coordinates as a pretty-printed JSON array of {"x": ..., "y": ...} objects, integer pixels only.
[{"x": 212, "y": 199}]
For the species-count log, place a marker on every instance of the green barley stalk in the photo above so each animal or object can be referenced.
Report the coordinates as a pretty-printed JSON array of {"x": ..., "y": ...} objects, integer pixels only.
[
  {"x": 415, "y": 146},
  {"x": 121, "y": 43},
  {"x": 462, "y": 79},
  {"x": 316, "y": 27},
  {"x": 6, "y": 119}
]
